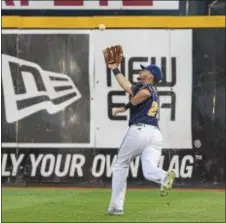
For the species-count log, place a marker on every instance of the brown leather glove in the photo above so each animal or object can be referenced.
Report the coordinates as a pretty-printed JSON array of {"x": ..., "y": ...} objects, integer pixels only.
[{"x": 113, "y": 54}]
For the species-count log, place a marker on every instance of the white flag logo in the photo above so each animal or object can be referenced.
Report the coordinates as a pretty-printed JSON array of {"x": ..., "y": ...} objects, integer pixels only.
[{"x": 28, "y": 89}]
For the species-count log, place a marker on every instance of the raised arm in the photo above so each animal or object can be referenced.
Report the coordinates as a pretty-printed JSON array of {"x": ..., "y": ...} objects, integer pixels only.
[{"x": 123, "y": 82}]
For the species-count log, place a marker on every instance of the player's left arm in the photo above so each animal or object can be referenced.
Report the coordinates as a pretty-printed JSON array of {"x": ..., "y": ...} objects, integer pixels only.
[{"x": 141, "y": 96}]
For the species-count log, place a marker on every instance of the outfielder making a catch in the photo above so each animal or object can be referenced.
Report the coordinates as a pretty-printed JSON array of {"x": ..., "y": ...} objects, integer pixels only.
[{"x": 143, "y": 137}]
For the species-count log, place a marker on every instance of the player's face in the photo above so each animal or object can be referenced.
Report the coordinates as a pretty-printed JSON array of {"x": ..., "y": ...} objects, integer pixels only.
[{"x": 145, "y": 76}]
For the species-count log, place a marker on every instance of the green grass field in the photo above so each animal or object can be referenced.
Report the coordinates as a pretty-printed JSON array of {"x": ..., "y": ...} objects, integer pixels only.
[{"x": 71, "y": 205}]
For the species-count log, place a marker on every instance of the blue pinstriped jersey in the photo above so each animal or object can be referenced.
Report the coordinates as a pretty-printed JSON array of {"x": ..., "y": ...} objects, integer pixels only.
[{"x": 147, "y": 111}]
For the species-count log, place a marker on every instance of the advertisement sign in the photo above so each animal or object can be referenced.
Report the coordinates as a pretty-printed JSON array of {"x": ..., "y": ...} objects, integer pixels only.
[
  {"x": 171, "y": 50},
  {"x": 90, "y": 5},
  {"x": 57, "y": 99},
  {"x": 47, "y": 88},
  {"x": 72, "y": 165},
  {"x": 53, "y": 96}
]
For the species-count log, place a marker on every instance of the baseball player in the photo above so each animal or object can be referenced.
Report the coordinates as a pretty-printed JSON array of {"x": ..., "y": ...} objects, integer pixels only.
[{"x": 143, "y": 137}]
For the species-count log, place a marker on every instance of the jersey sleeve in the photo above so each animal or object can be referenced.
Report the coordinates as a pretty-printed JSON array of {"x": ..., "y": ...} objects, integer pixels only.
[
  {"x": 135, "y": 88},
  {"x": 138, "y": 86},
  {"x": 147, "y": 86}
]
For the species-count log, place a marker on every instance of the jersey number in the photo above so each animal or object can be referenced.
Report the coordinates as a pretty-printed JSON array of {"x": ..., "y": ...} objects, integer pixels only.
[{"x": 154, "y": 109}]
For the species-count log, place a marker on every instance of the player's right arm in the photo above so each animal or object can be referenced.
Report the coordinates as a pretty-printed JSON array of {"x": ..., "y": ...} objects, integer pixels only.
[{"x": 123, "y": 82}]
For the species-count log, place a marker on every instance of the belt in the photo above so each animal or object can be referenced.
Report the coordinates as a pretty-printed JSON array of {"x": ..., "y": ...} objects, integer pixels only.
[{"x": 143, "y": 125}]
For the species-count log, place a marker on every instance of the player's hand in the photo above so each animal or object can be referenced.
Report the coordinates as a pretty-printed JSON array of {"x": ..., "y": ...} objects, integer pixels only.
[
  {"x": 118, "y": 110},
  {"x": 112, "y": 66}
]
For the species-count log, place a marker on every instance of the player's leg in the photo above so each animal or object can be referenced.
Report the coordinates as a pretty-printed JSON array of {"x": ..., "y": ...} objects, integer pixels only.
[
  {"x": 119, "y": 178},
  {"x": 128, "y": 150},
  {"x": 150, "y": 159}
]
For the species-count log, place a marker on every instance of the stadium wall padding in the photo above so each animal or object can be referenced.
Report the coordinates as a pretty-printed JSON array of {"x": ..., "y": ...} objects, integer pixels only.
[{"x": 58, "y": 97}]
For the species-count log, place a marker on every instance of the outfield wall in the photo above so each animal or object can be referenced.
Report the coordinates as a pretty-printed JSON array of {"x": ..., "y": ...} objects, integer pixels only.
[{"x": 58, "y": 95}]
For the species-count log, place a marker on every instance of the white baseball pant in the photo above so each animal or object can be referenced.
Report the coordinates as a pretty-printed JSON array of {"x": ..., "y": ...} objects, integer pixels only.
[{"x": 147, "y": 141}]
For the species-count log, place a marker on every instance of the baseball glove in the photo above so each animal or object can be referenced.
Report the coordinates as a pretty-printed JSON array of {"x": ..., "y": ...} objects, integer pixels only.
[{"x": 113, "y": 54}]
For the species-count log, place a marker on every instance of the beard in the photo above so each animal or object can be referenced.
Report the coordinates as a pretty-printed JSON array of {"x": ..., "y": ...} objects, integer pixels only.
[{"x": 139, "y": 79}]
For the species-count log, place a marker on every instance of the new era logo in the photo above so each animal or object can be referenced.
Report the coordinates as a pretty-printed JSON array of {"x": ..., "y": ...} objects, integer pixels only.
[{"x": 28, "y": 89}]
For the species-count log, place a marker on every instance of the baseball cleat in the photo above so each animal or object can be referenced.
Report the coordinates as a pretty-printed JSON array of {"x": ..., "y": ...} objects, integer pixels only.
[
  {"x": 165, "y": 188},
  {"x": 114, "y": 211}
]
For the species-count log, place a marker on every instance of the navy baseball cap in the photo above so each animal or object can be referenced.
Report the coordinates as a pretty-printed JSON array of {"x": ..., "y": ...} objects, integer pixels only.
[{"x": 155, "y": 70}]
